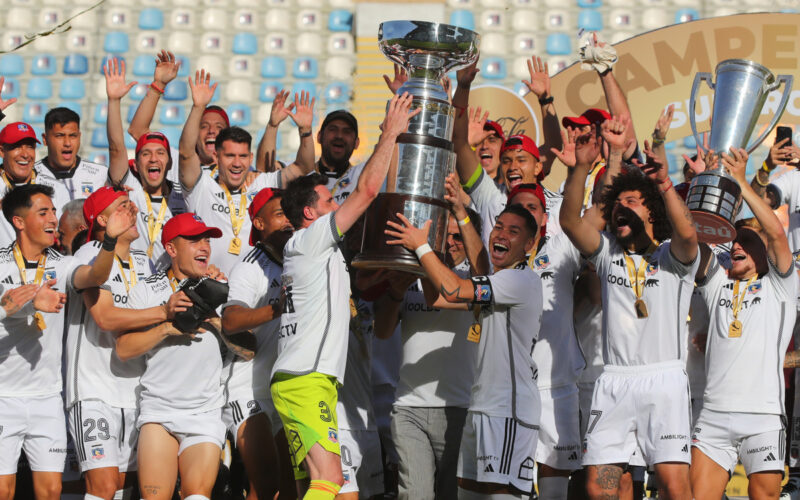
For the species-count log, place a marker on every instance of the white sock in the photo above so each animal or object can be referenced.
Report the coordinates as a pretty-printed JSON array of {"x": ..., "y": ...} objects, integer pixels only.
[
  {"x": 91, "y": 497},
  {"x": 553, "y": 488},
  {"x": 124, "y": 494},
  {"x": 196, "y": 497}
]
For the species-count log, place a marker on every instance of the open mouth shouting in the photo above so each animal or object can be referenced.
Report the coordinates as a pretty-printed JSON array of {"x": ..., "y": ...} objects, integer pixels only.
[{"x": 499, "y": 251}]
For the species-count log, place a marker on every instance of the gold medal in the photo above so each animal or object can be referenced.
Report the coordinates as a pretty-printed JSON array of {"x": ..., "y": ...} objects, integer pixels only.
[
  {"x": 637, "y": 276},
  {"x": 641, "y": 308},
  {"x": 237, "y": 219},
  {"x": 474, "y": 334},
  {"x": 735, "y": 330},
  {"x": 38, "y": 320},
  {"x": 235, "y": 247}
]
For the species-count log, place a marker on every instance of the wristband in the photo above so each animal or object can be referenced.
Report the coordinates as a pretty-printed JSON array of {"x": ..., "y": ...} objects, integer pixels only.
[
  {"x": 765, "y": 168},
  {"x": 422, "y": 250},
  {"x": 109, "y": 243},
  {"x": 662, "y": 191},
  {"x": 662, "y": 181},
  {"x": 762, "y": 184},
  {"x": 546, "y": 100},
  {"x": 156, "y": 88},
  {"x": 303, "y": 135},
  {"x": 657, "y": 141},
  {"x": 464, "y": 221}
]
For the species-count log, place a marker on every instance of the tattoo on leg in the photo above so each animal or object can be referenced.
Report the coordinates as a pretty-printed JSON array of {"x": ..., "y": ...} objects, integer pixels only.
[
  {"x": 151, "y": 489},
  {"x": 608, "y": 477}
]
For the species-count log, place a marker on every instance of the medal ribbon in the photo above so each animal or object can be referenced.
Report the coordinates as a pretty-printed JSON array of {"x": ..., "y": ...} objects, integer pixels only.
[
  {"x": 738, "y": 299},
  {"x": 590, "y": 186},
  {"x": 38, "y": 318},
  {"x": 636, "y": 274},
  {"x": 128, "y": 283},
  {"x": 9, "y": 183},
  {"x": 237, "y": 219},
  {"x": 154, "y": 225},
  {"x": 172, "y": 281}
]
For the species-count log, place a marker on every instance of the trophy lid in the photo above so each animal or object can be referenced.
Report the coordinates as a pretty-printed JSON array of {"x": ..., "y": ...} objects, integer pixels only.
[{"x": 428, "y": 50}]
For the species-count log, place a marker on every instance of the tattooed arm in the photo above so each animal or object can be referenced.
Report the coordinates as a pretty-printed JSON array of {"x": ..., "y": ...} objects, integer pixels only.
[{"x": 792, "y": 360}]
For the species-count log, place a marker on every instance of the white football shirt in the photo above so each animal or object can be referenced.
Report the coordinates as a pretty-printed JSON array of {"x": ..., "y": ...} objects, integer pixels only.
[
  {"x": 347, "y": 183},
  {"x": 316, "y": 317},
  {"x": 60, "y": 198},
  {"x": 354, "y": 407},
  {"x": 80, "y": 182},
  {"x": 788, "y": 186}
]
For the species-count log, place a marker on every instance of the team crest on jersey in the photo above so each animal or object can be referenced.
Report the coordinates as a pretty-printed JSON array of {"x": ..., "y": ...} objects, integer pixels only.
[
  {"x": 87, "y": 189},
  {"x": 333, "y": 436},
  {"x": 346, "y": 476},
  {"x": 482, "y": 293},
  {"x": 49, "y": 275},
  {"x": 541, "y": 261},
  {"x": 98, "y": 453},
  {"x": 250, "y": 196},
  {"x": 754, "y": 288},
  {"x": 343, "y": 182},
  {"x": 651, "y": 269}
]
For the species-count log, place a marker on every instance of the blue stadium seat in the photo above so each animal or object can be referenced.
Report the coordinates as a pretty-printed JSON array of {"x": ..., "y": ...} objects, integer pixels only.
[
  {"x": 144, "y": 65},
  {"x": 138, "y": 91},
  {"x": 39, "y": 88},
  {"x": 129, "y": 114},
  {"x": 239, "y": 114},
  {"x": 268, "y": 91},
  {"x": 305, "y": 67},
  {"x": 74, "y": 106},
  {"x": 177, "y": 90},
  {"x": 215, "y": 97},
  {"x": 12, "y": 65},
  {"x": 521, "y": 89},
  {"x": 76, "y": 64},
  {"x": 340, "y": 20},
  {"x": 34, "y": 112},
  {"x": 172, "y": 114},
  {"x": 116, "y": 42},
  {"x": 185, "y": 66},
  {"x": 72, "y": 88},
  {"x": 686, "y": 15},
  {"x": 130, "y": 142},
  {"x": 11, "y": 88},
  {"x": 462, "y": 19},
  {"x": 173, "y": 135},
  {"x": 590, "y": 4},
  {"x": 43, "y": 65},
  {"x": 105, "y": 61},
  {"x": 558, "y": 44},
  {"x": 273, "y": 67},
  {"x": 494, "y": 68},
  {"x": 101, "y": 113},
  {"x": 245, "y": 43},
  {"x": 304, "y": 87},
  {"x": 590, "y": 20},
  {"x": 151, "y": 19},
  {"x": 670, "y": 144},
  {"x": 337, "y": 93},
  {"x": 690, "y": 143},
  {"x": 99, "y": 138},
  {"x": 98, "y": 156}
]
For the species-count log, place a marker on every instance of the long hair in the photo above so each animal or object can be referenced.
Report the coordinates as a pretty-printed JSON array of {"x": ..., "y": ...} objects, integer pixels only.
[{"x": 633, "y": 180}]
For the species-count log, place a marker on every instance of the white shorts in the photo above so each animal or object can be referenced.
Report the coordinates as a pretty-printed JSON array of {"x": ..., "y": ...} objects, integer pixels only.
[
  {"x": 237, "y": 411},
  {"x": 190, "y": 429},
  {"x": 362, "y": 466},
  {"x": 758, "y": 439},
  {"x": 794, "y": 426},
  {"x": 497, "y": 450},
  {"x": 104, "y": 436},
  {"x": 644, "y": 405},
  {"x": 559, "y": 428},
  {"x": 36, "y": 425},
  {"x": 585, "y": 393}
]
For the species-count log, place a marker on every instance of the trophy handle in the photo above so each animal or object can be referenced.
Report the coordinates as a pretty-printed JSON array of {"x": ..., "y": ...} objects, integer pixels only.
[
  {"x": 698, "y": 78},
  {"x": 787, "y": 81}
]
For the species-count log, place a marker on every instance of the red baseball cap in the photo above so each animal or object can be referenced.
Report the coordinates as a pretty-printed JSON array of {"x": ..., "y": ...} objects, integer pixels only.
[
  {"x": 98, "y": 201},
  {"x": 522, "y": 142},
  {"x": 259, "y": 200},
  {"x": 221, "y": 112},
  {"x": 490, "y": 125},
  {"x": 153, "y": 138},
  {"x": 588, "y": 117},
  {"x": 537, "y": 191},
  {"x": 15, "y": 132},
  {"x": 187, "y": 224}
]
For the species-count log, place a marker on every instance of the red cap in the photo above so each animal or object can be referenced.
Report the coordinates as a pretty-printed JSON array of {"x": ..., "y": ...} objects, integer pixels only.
[
  {"x": 490, "y": 125},
  {"x": 15, "y": 132},
  {"x": 97, "y": 202},
  {"x": 221, "y": 112},
  {"x": 588, "y": 117},
  {"x": 259, "y": 200},
  {"x": 154, "y": 138},
  {"x": 522, "y": 142},
  {"x": 187, "y": 224},
  {"x": 537, "y": 191}
]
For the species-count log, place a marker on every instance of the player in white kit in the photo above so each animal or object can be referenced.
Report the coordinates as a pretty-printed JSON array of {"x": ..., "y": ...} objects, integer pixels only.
[
  {"x": 223, "y": 201},
  {"x": 752, "y": 309},
  {"x": 254, "y": 302},
  {"x": 642, "y": 397}
]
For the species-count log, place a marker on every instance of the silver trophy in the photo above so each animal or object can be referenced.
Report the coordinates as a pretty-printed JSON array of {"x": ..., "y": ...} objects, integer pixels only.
[
  {"x": 427, "y": 51},
  {"x": 740, "y": 91}
]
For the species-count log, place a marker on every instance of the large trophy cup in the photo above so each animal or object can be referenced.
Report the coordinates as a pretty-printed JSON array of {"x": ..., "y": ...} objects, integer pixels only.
[
  {"x": 740, "y": 91},
  {"x": 425, "y": 154}
]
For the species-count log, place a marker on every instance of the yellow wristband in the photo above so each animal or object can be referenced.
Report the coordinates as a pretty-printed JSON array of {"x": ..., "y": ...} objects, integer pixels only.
[
  {"x": 464, "y": 222},
  {"x": 764, "y": 167}
]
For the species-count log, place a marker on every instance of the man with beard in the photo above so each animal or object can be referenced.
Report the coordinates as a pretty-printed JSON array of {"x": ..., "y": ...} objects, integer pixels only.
[
  {"x": 254, "y": 302},
  {"x": 499, "y": 439},
  {"x": 641, "y": 398},
  {"x": 224, "y": 200}
]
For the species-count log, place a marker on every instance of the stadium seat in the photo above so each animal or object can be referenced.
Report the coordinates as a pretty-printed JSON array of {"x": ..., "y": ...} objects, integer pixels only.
[
  {"x": 557, "y": 19},
  {"x": 521, "y": 89},
  {"x": 309, "y": 20},
  {"x": 341, "y": 43},
  {"x": 591, "y": 4},
  {"x": 99, "y": 138},
  {"x": 144, "y": 65},
  {"x": 686, "y": 15},
  {"x": 305, "y": 67},
  {"x": 462, "y": 4},
  {"x": 268, "y": 91},
  {"x": 245, "y": 43},
  {"x": 558, "y": 44},
  {"x": 244, "y": 19},
  {"x": 149, "y": 42},
  {"x": 304, "y": 87},
  {"x": 557, "y": 63},
  {"x": 19, "y": 17},
  {"x": 277, "y": 19},
  {"x": 100, "y": 115},
  {"x": 590, "y": 20},
  {"x": 11, "y": 88},
  {"x": 276, "y": 43},
  {"x": 80, "y": 41},
  {"x": 525, "y": 44},
  {"x": 671, "y": 145},
  {"x": 689, "y": 142},
  {"x": 12, "y": 39},
  {"x": 172, "y": 114},
  {"x": 493, "y": 68},
  {"x": 105, "y": 61},
  {"x": 176, "y": 90},
  {"x": 129, "y": 115},
  {"x": 342, "y": 4},
  {"x": 212, "y": 43},
  {"x": 621, "y": 19},
  {"x": 273, "y": 67},
  {"x": 182, "y": 19},
  {"x": 74, "y": 106},
  {"x": 84, "y": 20},
  {"x": 620, "y": 36},
  {"x": 525, "y": 20},
  {"x": 76, "y": 64},
  {"x": 118, "y": 18},
  {"x": 239, "y": 114},
  {"x": 241, "y": 67},
  {"x": 213, "y": 19},
  {"x": 116, "y": 42},
  {"x": 211, "y": 64},
  {"x": 72, "y": 88},
  {"x": 493, "y": 20},
  {"x": 462, "y": 19},
  {"x": 185, "y": 68},
  {"x": 340, "y": 20},
  {"x": 49, "y": 17},
  {"x": 151, "y": 19},
  {"x": 493, "y": 4},
  {"x": 98, "y": 156},
  {"x": 337, "y": 93},
  {"x": 34, "y": 112},
  {"x": 494, "y": 44},
  {"x": 655, "y": 18},
  {"x": 173, "y": 134},
  {"x": 12, "y": 65},
  {"x": 239, "y": 90},
  {"x": 130, "y": 142},
  {"x": 39, "y": 88},
  {"x": 138, "y": 91},
  {"x": 308, "y": 43},
  {"x": 340, "y": 68},
  {"x": 181, "y": 41},
  {"x": 519, "y": 68}
]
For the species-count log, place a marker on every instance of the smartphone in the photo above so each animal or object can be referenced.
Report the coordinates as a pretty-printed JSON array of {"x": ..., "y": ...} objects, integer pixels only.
[{"x": 782, "y": 133}]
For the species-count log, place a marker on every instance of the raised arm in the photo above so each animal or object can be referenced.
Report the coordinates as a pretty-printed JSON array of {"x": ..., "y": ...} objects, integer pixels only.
[
  {"x": 618, "y": 105},
  {"x": 466, "y": 159},
  {"x": 116, "y": 89},
  {"x": 539, "y": 84},
  {"x": 584, "y": 235},
  {"x": 189, "y": 161},
  {"x": 302, "y": 116},
  {"x": 614, "y": 132},
  {"x": 166, "y": 71},
  {"x": 777, "y": 245},
  {"x": 265, "y": 155},
  {"x": 476, "y": 252},
  {"x": 779, "y": 154},
  {"x": 376, "y": 168},
  {"x": 122, "y": 219}
]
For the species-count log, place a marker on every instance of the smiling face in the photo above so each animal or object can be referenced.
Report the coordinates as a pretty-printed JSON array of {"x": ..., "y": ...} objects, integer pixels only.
[
  {"x": 190, "y": 254},
  {"x": 489, "y": 153},
  {"x": 338, "y": 140},
  {"x": 151, "y": 163},
  {"x": 210, "y": 125},
  {"x": 455, "y": 252},
  {"x": 630, "y": 217},
  {"x": 38, "y": 224},
  {"x": 509, "y": 241},
  {"x": 532, "y": 204},
  {"x": 272, "y": 224},
  {"x": 519, "y": 167},
  {"x": 233, "y": 159},
  {"x": 123, "y": 201},
  {"x": 63, "y": 143},
  {"x": 18, "y": 159}
]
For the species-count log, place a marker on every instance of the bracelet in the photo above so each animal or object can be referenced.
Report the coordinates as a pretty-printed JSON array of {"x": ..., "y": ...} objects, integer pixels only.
[
  {"x": 664, "y": 190},
  {"x": 762, "y": 184},
  {"x": 657, "y": 141},
  {"x": 422, "y": 250},
  {"x": 109, "y": 243},
  {"x": 546, "y": 100},
  {"x": 303, "y": 135},
  {"x": 662, "y": 181},
  {"x": 156, "y": 88},
  {"x": 464, "y": 221},
  {"x": 765, "y": 168}
]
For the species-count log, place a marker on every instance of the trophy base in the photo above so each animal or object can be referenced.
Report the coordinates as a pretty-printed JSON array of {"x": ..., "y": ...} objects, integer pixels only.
[
  {"x": 713, "y": 228},
  {"x": 714, "y": 201},
  {"x": 377, "y": 254}
]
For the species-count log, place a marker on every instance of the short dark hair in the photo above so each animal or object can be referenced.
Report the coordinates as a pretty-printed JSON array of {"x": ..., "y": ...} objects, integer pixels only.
[
  {"x": 60, "y": 116},
  {"x": 22, "y": 197},
  {"x": 235, "y": 134},
  {"x": 633, "y": 180},
  {"x": 301, "y": 193},
  {"x": 530, "y": 222}
]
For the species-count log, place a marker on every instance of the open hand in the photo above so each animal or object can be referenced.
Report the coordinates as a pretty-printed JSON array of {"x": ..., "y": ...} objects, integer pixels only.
[
  {"x": 400, "y": 77},
  {"x": 114, "y": 71},
  {"x": 398, "y": 115},
  {"x": 303, "y": 111},
  {"x": 736, "y": 163},
  {"x": 539, "y": 83},
  {"x": 166, "y": 68},
  {"x": 475, "y": 126},
  {"x": 121, "y": 219},
  {"x": 407, "y": 234},
  {"x": 202, "y": 90}
]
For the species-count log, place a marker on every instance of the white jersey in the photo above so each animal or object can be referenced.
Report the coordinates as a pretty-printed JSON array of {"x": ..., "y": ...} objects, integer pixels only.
[
  {"x": 745, "y": 373},
  {"x": 93, "y": 369},
  {"x": 354, "y": 407},
  {"x": 316, "y": 317},
  {"x": 80, "y": 182},
  {"x": 788, "y": 187},
  {"x": 434, "y": 341},
  {"x": 254, "y": 282},
  {"x": 490, "y": 201},
  {"x": 207, "y": 199},
  {"x": 60, "y": 198},
  {"x": 659, "y": 337},
  {"x": 175, "y": 205},
  {"x": 171, "y": 383},
  {"x": 31, "y": 359},
  {"x": 558, "y": 356},
  {"x": 346, "y": 184},
  {"x": 510, "y": 304},
  {"x": 695, "y": 360}
]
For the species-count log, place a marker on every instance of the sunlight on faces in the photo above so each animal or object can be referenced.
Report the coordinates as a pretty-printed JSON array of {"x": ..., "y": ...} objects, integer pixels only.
[
  {"x": 39, "y": 222},
  {"x": 234, "y": 160},
  {"x": 210, "y": 126},
  {"x": 338, "y": 141},
  {"x": 325, "y": 204},
  {"x": 519, "y": 167},
  {"x": 456, "y": 253},
  {"x": 151, "y": 164},
  {"x": 622, "y": 226},
  {"x": 190, "y": 254},
  {"x": 532, "y": 204},
  {"x": 123, "y": 201},
  {"x": 18, "y": 159},
  {"x": 272, "y": 224},
  {"x": 489, "y": 153},
  {"x": 509, "y": 241},
  {"x": 63, "y": 143}
]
